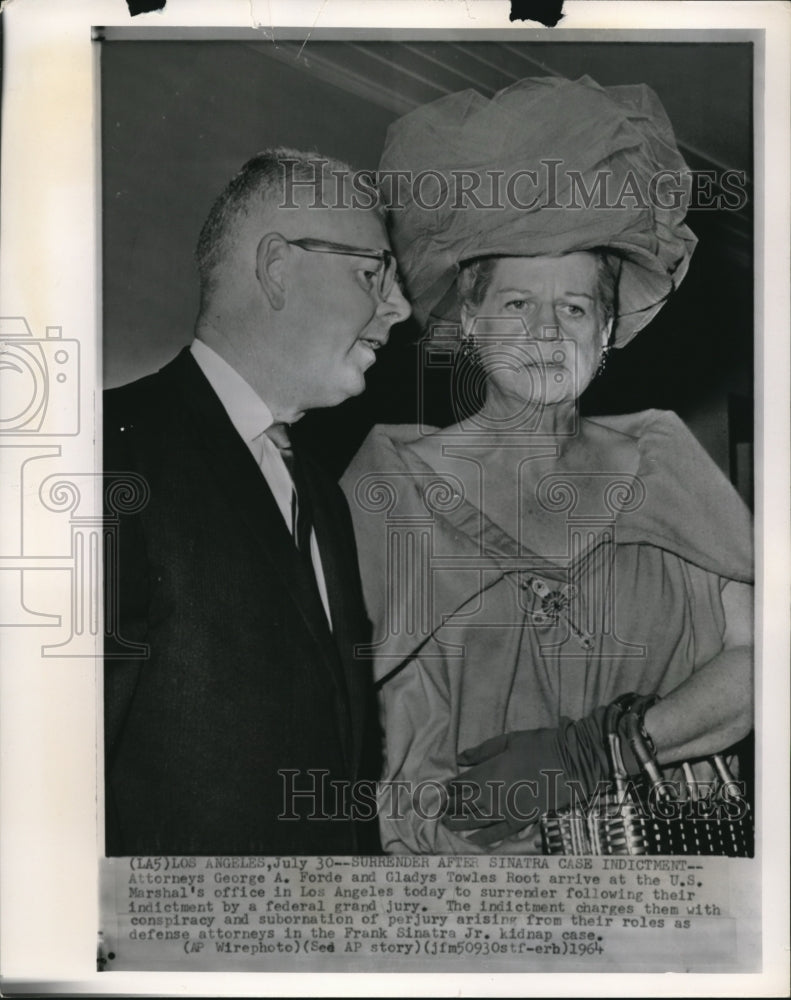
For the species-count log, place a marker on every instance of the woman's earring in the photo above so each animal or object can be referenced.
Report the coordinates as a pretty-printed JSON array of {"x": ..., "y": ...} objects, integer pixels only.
[
  {"x": 603, "y": 359},
  {"x": 469, "y": 346}
]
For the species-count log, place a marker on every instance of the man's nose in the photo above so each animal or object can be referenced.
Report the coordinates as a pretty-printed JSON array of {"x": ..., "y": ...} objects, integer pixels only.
[{"x": 394, "y": 307}]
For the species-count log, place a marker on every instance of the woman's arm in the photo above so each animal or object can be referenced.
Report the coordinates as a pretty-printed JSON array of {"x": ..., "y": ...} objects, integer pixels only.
[
  {"x": 713, "y": 708},
  {"x": 705, "y": 714}
]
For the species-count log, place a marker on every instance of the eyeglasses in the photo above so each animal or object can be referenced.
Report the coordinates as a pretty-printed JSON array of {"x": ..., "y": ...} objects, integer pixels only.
[{"x": 385, "y": 276}]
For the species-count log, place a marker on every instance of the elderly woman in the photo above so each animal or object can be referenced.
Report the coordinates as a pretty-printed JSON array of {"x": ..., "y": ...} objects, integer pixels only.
[{"x": 525, "y": 567}]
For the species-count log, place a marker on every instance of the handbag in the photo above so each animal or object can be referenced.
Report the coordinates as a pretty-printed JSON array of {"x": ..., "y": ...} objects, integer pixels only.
[{"x": 651, "y": 814}]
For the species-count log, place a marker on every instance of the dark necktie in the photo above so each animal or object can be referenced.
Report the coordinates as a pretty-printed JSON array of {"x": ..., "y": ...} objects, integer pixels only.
[
  {"x": 301, "y": 517},
  {"x": 302, "y": 526}
]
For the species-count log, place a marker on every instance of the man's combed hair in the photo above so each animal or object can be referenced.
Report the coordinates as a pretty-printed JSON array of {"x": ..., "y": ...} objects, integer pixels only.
[{"x": 263, "y": 179}]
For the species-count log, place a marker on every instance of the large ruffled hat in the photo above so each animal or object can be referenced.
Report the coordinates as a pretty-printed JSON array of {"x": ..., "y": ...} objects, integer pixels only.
[{"x": 547, "y": 166}]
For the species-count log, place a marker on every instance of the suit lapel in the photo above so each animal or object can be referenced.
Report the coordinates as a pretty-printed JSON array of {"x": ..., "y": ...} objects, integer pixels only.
[
  {"x": 236, "y": 473},
  {"x": 340, "y": 570}
]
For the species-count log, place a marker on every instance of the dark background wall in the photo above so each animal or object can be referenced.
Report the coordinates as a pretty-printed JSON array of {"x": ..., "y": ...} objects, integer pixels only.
[{"x": 179, "y": 118}]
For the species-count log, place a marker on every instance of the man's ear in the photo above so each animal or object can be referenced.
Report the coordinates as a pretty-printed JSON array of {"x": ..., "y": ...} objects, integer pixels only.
[{"x": 270, "y": 268}]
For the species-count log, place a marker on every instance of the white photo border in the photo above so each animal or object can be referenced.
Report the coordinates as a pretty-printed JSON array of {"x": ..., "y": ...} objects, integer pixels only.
[{"x": 50, "y": 275}]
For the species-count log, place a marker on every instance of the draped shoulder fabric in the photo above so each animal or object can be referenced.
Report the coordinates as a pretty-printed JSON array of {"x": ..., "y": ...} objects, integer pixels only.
[
  {"x": 476, "y": 635},
  {"x": 547, "y": 166}
]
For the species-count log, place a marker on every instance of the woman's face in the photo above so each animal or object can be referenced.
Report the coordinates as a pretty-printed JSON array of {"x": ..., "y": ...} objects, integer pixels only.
[{"x": 539, "y": 327}]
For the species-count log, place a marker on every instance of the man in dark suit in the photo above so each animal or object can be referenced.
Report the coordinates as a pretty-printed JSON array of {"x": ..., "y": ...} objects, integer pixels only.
[{"x": 237, "y": 731}]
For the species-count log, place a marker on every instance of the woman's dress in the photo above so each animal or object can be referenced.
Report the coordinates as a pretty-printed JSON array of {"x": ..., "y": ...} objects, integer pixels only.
[{"x": 476, "y": 635}]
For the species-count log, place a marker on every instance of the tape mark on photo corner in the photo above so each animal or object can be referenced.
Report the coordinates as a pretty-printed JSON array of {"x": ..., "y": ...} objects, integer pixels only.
[{"x": 546, "y": 12}]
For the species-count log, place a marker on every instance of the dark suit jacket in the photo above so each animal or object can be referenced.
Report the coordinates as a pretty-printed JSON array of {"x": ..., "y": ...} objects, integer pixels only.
[{"x": 244, "y": 677}]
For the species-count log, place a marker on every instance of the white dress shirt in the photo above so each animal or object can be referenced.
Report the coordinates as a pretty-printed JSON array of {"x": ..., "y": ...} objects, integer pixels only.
[{"x": 251, "y": 417}]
